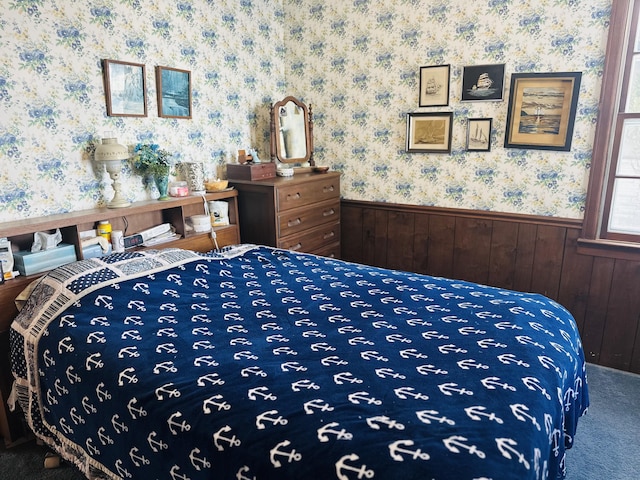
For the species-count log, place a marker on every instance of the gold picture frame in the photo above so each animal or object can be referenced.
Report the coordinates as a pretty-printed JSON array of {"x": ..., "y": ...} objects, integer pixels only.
[
  {"x": 429, "y": 132},
  {"x": 542, "y": 110}
]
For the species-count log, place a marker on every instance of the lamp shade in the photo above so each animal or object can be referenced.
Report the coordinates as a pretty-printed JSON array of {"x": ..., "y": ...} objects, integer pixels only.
[{"x": 110, "y": 150}]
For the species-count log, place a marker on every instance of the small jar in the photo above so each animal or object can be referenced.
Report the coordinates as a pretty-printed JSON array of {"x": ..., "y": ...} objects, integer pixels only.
[
  {"x": 178, "y": 189},
  {"x": 104, "y": 229}
]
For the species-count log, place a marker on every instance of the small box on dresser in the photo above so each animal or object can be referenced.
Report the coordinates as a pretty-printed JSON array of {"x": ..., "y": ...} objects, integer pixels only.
[{"x": 250, "y": 171}]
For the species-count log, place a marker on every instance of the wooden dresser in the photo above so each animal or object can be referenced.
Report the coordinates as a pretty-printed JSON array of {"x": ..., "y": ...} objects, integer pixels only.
[{"x": 300, "y": 213}]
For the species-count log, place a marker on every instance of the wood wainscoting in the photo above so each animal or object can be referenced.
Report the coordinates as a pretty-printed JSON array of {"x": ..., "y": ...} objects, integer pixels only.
[{"x": 519, "y": 252}]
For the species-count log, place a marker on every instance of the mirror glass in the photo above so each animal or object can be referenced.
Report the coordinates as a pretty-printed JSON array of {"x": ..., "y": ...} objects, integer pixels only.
[{"x": 291, "y": 132}]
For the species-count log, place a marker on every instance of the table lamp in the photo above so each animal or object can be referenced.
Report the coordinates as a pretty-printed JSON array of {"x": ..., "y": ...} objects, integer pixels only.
[{"x": 111, "y": 153}]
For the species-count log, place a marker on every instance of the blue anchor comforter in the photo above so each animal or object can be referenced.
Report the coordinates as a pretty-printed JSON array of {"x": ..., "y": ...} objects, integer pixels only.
[{"x": 260, "y": 363}]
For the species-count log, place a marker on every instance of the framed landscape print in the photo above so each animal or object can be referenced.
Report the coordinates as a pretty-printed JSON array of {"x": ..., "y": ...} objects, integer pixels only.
[
  {"x": 124, "y": 88},
  {"x": 479, "y": 134},
  {"x": 482, "y": 83},
  {"x": 542, "y": 110},
  {"x": 429, "y": 132},
  {"x": 434, "y": 86},
  {"x": 174, "y": 92}
]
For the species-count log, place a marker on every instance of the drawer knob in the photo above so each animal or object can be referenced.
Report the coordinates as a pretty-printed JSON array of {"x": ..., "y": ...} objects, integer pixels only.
[
  {"x": 292, "y": 223},
  {"x": 328, "y": 213},
  {"x": 294, "y": 196},
  {"x": 329, "y": 234},
  {"x": 328, "y": 188},
  {"x": 297, "y": 246}
]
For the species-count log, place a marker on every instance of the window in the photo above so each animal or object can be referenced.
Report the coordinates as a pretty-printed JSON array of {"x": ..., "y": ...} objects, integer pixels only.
[{"x": 613, "y": 202}]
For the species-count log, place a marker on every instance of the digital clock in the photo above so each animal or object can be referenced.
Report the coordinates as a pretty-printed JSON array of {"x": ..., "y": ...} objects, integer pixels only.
[{"x": 133, "y": 240}]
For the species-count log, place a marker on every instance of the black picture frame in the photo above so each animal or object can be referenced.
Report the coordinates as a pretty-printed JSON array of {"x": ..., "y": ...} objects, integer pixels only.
[
  {"x": 429, "y": 132},
  {"x": 125, "y": 88},
  {"x": 173, "y": 87},
  {"x": 542, "y": 110},
  {"x": 482, "y": 83},
  {"x": 479, "y": 134},
  {"x": 434, "y": 86}
]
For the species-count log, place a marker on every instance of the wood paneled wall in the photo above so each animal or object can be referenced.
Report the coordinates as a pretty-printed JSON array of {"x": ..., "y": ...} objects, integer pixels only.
[{"x": 526, "y": 253}]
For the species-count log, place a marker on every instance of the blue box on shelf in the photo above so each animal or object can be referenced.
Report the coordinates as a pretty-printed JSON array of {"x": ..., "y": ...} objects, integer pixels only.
[{"x": 30, "y": 263}]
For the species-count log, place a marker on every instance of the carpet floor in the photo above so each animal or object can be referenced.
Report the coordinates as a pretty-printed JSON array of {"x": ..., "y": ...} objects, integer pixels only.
[{"x": 606, "y": 445}]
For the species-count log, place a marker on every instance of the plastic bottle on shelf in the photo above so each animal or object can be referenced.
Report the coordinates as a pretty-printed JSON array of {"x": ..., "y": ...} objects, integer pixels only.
[{"x": 104, "y": 229}]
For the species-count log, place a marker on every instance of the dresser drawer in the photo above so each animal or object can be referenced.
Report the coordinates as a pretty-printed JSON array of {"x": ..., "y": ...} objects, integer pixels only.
[
  {"x": 295, "y": 221},
  {"x": 312, "y": 240},
  {"x": 292, "y": 196}
]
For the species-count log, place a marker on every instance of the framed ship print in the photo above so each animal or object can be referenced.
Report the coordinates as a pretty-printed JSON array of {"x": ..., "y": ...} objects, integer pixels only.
[
  {"x": 434, "y": 86},
  {"x": 542, "y": 110},
  {"x": 124, "y": 88},
  {"x": 482, "y": 83},
  {"x": 429, "y": 132},
  {"x": 479, "y": 134}
]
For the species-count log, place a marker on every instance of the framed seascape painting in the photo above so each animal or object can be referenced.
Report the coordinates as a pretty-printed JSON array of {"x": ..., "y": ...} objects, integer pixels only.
[
  {"x": 542, "y": 110},
  {"x": 479, "y": 134},
  {"x": 124, "y": 88},
  {"x": 482, "y": 83},
  {"x": 429, "y": 132},
  {"x": 174, "y": 92},
  {"x": 434, "y": 86}
]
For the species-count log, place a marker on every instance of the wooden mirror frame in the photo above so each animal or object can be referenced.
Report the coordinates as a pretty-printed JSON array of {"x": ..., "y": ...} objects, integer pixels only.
[{"x": 277, "y": 149}]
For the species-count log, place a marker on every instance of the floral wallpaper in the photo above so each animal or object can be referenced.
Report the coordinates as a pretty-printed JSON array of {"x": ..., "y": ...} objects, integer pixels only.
[{"x": 356, "y": 62}]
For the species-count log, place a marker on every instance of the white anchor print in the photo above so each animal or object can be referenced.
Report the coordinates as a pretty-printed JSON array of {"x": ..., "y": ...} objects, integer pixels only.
[
  {"x": 276, "y": 453},
  {"x": 342, "y": 467}
]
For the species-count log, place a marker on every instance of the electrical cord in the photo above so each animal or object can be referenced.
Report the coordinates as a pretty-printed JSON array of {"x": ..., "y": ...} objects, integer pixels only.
[{"x": 206, "y": 212}]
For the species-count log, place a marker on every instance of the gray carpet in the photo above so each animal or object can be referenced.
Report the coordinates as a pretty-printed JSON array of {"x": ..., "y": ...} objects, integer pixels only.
[{"x": 607, "y": 443}]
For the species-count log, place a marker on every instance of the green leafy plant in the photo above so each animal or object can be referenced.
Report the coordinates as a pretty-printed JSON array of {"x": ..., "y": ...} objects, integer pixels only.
[{"x": 150, "y": 159}]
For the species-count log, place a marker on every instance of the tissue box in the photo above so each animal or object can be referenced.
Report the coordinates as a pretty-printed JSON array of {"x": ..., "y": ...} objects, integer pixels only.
[{"x": 30, "y": 263}]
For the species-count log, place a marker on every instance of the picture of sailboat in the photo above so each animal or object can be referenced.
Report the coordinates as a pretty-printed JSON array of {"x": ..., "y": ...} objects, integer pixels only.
[
  {"x": 431, "y": 87},
  {"x": 482, "y": 82},
  {"x": 478, "y": 133},
  {"x": 479, "y": 136}
]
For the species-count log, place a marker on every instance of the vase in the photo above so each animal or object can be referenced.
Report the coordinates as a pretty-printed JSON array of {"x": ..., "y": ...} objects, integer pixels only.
[
  {"x": 193, "y": 173},
  {"x": 162, "y": 183}
]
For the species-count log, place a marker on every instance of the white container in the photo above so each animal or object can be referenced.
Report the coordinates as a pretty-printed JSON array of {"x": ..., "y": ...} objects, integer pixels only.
[
  {"x": 219, "y": 212},
  {"x": 201, "y": 223}
]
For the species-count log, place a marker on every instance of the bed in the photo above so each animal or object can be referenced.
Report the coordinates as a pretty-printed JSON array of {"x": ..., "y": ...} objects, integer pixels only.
[{"x": 261, "y": 363}]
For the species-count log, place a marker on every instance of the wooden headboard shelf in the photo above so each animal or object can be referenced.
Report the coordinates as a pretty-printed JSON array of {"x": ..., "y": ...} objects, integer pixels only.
[{"x": 130, "y": 220}]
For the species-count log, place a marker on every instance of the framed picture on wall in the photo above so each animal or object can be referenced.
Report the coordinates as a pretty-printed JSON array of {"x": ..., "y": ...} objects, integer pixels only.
[
  {"x": 124, "y": 88},
  {"x": 173, "y": 88},
  {"x": 542, "y": 110},
  {"x": 434, "y": 86},
  {"x": 482, "y": 83},
  {"x": 479, "y": 134},
  {"x": 429, "y": 132}
]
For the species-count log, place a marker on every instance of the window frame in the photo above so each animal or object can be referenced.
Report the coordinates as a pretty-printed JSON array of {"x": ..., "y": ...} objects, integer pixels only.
[{"x": 594, "y": 237}]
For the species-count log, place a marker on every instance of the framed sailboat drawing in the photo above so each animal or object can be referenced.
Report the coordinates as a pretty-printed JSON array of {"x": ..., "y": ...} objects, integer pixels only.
[
  {"x": 482, "y": 83},
  {"x": 434, "y": 86},
  {"x": 479, "y": 134},
  {"x": 542, "y": 110}
]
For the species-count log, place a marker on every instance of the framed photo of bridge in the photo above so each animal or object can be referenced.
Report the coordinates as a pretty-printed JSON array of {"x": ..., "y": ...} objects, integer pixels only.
[
  {"x": 542, "y": 110},
  {"x": 174, "y": 92},
  {"x": 483, "y": 83}
]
